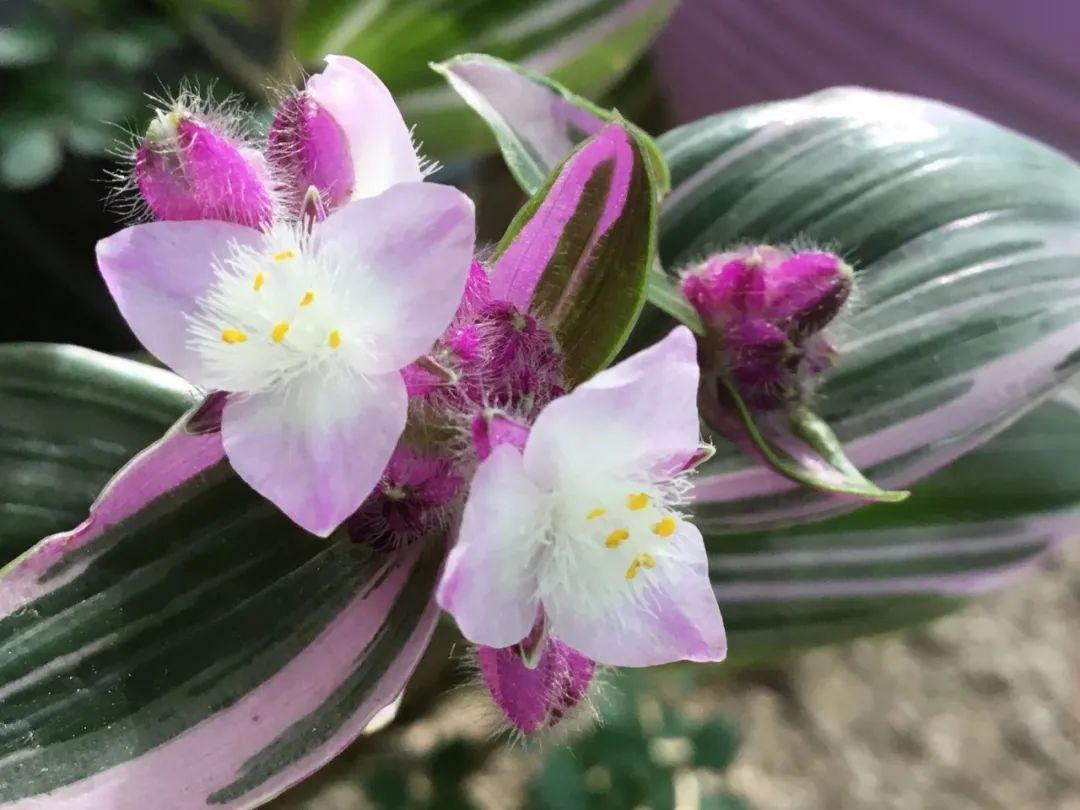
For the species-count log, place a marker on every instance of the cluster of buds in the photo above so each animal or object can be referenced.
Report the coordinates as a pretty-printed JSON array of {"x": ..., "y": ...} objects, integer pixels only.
[
  {"x": 764, "y": 310},
  {"x": 341, "y": 137},
  {"x": 492, "y": 356}
]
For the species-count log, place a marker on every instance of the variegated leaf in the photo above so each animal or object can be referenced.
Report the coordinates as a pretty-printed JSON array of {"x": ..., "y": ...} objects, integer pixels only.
[
  {"x": 969, "y": 528},
  {"x": 187, "y": 645},
  {"x": 578, "y": 253}
]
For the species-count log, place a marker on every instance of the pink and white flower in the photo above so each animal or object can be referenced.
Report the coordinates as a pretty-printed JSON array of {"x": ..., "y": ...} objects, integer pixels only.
[
  {"x": 582, "y": 526},
  {"x": 307, "y": 329}
]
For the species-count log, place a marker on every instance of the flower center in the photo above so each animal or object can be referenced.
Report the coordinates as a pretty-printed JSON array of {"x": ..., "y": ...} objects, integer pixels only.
[
  {"x": 604, "y": 539},
  {"x": 636, "y": 523},
  {"x": 272, "y": 314}
]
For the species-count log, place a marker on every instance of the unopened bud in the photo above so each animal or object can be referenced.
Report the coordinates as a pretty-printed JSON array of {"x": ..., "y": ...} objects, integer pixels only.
[
  {"x": 763, "y": 309},
  {"x": 309, "y": 148},
  {"x": 531, "y": 698},
  {"x": 410, "y": 502},
  {"x": 187, "y": 168}
]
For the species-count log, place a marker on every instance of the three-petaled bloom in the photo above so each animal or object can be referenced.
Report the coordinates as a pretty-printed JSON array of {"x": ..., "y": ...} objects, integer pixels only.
[
  {"x": 579, "y": 527},
  {"x": 307, "y": 330}
]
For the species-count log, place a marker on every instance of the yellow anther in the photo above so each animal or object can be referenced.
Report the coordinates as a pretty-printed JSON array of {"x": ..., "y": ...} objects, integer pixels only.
[
  {"x": 665, "y": 527},
  {"x": 335, "y": 338},
  {"x": 309, "y": 296},
  {"x": 637, "y": 500},
  {"x": 283, "y": 255},
  {"x": 260, "y": 279},
  {"x": 595, "y": 513},
  {"x": 280, "y": 329},
  {"x": 233, "y": 336},
  {"x": 616, "y": 538},
  {"x": 643, "y": 560}
]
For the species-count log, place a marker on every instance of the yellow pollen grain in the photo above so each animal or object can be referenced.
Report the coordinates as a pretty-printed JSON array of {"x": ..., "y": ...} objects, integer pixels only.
[
  {"x": 233, "y": 336},
  {"x": 284, "y": 255},
  {"x": 260, "y": 279},
  {"x": 643, "y": 560},
  {"x": 595, "y": 513},
  {"x": 309, "y": 296},
  {"x": 665, "y": 527},
  {"x": 335, "y": 339},
  {"x": 616, "y": 538},
  {"x": 636, "y": 501},
  {"x": 279, "y": 332}
]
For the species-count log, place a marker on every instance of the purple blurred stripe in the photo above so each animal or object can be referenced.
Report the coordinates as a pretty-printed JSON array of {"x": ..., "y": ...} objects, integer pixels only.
[
  {"x": 576, "y": 45},
  {"x": 1017, "y": 63},
  {"x": 967, "y": 583}
]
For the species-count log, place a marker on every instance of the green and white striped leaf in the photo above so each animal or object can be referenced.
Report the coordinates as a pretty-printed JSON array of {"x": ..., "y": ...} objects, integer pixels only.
[
  {"x": 965, "y": 238},
  {"x": 969, "y": 528},
  {"x": 585, "y": 44},
  {"x": 187, "y": 645},
  {"x": 69, "y": 419}
]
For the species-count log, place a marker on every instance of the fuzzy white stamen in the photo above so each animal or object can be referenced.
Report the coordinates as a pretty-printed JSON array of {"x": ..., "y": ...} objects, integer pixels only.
[
  {"x": 601, "y": 537},
  {"x": 275, "y": 313}
]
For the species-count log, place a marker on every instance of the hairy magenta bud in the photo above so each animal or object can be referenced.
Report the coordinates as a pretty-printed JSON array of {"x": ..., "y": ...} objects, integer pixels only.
[
  {"x": 764, "y": 309},
  {"x": 410, "y": 502},
  {"x": 492, "y": 355},
  {"x": 188, "y": 168},
  {"x": 531, "y": 698},
  {"x": 309, "y": 148}
]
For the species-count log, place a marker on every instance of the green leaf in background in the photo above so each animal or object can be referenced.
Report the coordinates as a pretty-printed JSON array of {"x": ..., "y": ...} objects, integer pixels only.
[
  {"x": 69, "y": 419},
  {"x": 585, "y": 44},
  {"x": 971, "y": 527},
  {"x": 578, "y": 252},
  {"x": 25, "y": 45},
  {"x": 32, "y": 155},
  {"x": 220, "y": 653}
]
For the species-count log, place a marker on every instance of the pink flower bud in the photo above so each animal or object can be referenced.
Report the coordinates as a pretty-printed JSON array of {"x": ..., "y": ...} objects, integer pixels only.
[
  {"x": 187, "y": 168},
  {"x": 500, "y": 357},
  {"x": 537, "y": 697},
  {"x": 309, "y": 147},
  {"x": 763, "y": 309},
  {"x": 409, "y": 502}
]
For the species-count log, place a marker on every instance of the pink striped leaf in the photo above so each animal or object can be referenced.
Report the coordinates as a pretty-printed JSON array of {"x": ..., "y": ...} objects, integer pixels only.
[
  {"x": 187, "y": 645},
  {"x": 578, "y": 253}
]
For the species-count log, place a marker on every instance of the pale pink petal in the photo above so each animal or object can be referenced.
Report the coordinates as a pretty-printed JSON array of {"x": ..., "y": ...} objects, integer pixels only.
[
  {"x": 157, "y": 270},
  {"x": 379, "y": 142},
  {"x": 404, "y": 257},
  {"x": 669, "y": 612},
  {"x": 489, "y": 584},
  {"x": 318, "y": 445},
  {"x": 634, "y": 416}
]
